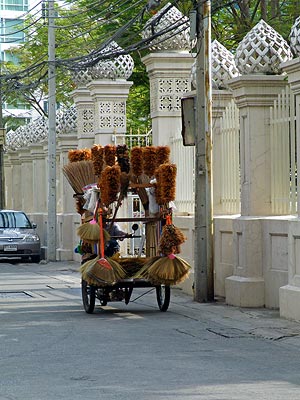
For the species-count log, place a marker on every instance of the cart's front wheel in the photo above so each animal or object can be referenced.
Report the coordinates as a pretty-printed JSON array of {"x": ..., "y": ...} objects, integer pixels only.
[
  {"x": 88, "y": 296},
  {"x": 163, "y": 294}
]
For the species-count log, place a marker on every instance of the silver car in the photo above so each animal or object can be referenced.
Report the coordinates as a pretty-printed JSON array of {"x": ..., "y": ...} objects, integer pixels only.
[{"x": 18, "y": 238}]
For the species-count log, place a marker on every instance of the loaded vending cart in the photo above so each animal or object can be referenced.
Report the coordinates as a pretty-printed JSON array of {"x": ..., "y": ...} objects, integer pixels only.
[{"x": 102, "y": 178}]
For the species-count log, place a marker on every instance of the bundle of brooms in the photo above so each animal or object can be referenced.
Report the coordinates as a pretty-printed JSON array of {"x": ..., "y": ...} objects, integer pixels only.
[
  {"x": 102, "y": 271},
  {"x": 131, "y": 265},
  {"x": 79, "y": 174},
  {"x": 169, "y": 268}
]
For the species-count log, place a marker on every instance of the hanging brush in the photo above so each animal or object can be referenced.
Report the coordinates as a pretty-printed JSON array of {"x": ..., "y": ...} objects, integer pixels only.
[
  {"x": 101, "y": 270},
  {"x": 90, "y": 231},
  {"x": 168, "y": 269}
]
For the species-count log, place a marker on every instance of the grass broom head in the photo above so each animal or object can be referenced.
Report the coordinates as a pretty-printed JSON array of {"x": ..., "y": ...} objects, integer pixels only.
[
  {"x": 79, "y": 174},
  {"x": 89, "y": 231},
  {"x": 165, "y": 270},
  {"x": 98, "y": 272}
]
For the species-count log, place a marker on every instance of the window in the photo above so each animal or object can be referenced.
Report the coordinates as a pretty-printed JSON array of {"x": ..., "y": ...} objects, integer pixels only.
[{"x": 11, "y": 219}]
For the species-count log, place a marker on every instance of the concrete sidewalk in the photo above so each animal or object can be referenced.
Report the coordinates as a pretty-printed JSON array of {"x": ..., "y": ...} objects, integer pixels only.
[{"x": 258, "y": 322}]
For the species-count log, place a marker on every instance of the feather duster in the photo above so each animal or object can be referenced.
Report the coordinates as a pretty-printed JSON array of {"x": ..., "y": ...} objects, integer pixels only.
[
  {"x": 97, "y": 152},
  {"x": 109, "y": 184},
  {"x": 123, "y": 158},
  {"x": 165, "y": 183},
  {"x": 136, "y": 161},
  {"x": 149, "y": 155},
  {"x": 110, "y": 154},
  {"x": 162, "y": 155},
  {"x": 79, "y": 155},
  {"x": 170, "y": 240}
]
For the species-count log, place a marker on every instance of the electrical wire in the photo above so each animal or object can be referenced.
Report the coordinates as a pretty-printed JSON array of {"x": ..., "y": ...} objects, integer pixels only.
[{"x": 86, "y": 61}]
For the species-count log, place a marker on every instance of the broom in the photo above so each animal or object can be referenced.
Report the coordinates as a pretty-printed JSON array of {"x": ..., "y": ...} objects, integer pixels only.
[
  {"x": 90, "y": 231},
  {"x": 100, "y": 270},
  {"x": 79, "y": 174},
  {"x": 168, "y": 269},
  {"x": 165, "y": 270}
]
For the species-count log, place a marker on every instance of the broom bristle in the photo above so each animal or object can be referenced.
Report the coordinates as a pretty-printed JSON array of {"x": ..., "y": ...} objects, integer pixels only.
[
  {"x": 79, "y": 174},
  {"x": 89, "y": 232},
  {"x": 119, "y": 272},
  {"x": 102, "y": 271},
  {"x": 165, "y": 270}
]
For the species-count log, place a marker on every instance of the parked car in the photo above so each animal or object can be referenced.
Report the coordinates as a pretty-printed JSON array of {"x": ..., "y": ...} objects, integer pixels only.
[{"x": 18, "y": 238}]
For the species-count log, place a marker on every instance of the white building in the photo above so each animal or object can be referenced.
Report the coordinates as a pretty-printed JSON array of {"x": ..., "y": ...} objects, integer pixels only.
[{"x": 12, "y": 13}]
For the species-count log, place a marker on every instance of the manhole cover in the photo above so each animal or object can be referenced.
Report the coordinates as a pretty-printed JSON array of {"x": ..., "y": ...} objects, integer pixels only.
[{"x": 5, "y": 295}]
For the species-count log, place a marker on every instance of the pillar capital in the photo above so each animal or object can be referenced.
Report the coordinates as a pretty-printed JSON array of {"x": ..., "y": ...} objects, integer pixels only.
[
  {"x": 292, "y": 68},
  {"x": 170, "y": 78},
  {"x": 256, "y": 90}
]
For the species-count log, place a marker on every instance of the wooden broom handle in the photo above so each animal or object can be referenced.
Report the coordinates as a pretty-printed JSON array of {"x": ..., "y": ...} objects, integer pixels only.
[{"x": 101, "y": 240}]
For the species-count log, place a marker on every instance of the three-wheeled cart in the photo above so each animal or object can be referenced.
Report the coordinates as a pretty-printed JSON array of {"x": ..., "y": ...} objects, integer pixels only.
[
  {"x": 102, "y": 178},
  {"x": 122, "y": 289}
]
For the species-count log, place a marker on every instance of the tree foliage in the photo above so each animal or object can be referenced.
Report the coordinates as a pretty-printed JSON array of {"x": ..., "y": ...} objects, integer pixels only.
[{"x": 85, "y": 26}]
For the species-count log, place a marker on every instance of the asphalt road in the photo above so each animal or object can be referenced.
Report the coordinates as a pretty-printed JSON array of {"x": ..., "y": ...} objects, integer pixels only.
[{"x": 50, "y": 349}]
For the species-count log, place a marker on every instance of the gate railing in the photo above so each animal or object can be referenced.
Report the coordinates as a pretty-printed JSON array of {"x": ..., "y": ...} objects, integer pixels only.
[
  {"x": 283, "y": 154},
  {"x": 230, "y": 160},
  {"x": 133, "y": 139}
]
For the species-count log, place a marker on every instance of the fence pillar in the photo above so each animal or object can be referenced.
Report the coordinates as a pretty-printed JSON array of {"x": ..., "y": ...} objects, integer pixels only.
[
  {"x": 13, "y": 179},
  {"x": 289, "y": 295},
  {"x": 170, "y": 79},
  {"x": 38, "y": 155},
  {"x": 85, "y": 117},
  {"x": 109, "y": 99},
  {"x": 254, "y": 95},
  {"x": 26, "y": 180},
  {"x": 221, "y": 99}
]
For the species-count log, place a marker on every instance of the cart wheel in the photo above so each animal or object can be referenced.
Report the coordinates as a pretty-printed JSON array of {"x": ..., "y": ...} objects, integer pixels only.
[
  {"x": 163, "y": 294},
  {"x": 88, "y": 296}
]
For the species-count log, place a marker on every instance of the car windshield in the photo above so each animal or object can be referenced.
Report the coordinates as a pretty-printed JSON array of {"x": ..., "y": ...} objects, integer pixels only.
[{"x": 14, "y": 220}]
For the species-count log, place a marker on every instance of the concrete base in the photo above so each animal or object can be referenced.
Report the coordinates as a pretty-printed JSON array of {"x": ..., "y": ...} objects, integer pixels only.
[
  {"x": 289, "y": 300},
  {"x": 64, "y": 254},
  {"x": 245, "y": 292}
]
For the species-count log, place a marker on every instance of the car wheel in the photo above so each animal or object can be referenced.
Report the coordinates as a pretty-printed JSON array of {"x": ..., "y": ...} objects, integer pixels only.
[{"x": 35, "y": 259}]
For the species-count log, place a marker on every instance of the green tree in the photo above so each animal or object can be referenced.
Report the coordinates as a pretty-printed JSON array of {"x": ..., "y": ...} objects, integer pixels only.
[{"x": 86, "y": 26}]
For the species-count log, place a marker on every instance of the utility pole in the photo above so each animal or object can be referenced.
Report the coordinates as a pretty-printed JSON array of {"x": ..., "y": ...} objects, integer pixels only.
[
  {"x": 2, "y": 138},
  {"x": 203, "y": 257},
  {"x": 51, "y": 223}
]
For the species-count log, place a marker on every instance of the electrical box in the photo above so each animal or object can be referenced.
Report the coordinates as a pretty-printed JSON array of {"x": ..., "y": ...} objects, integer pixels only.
[{"x": 188, "y": 118}]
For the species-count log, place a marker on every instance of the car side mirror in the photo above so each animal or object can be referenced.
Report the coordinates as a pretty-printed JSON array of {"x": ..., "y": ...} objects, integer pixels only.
[{"x": 34, "y": 225}]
